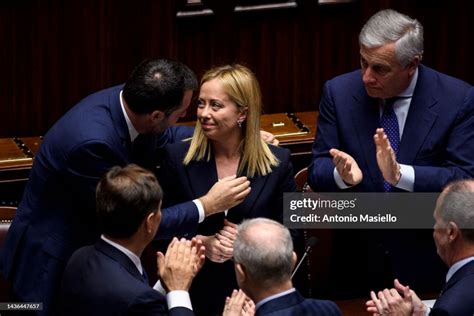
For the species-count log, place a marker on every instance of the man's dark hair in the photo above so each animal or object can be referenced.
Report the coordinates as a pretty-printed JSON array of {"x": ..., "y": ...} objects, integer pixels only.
[
  {"x": 158, "y": 84},
  {"x": 125, "y": 196}
]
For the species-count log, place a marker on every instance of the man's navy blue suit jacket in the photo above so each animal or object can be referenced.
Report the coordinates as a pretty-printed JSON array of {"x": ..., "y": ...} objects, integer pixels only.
[
  {"x": 437, "y": 140},
  {"x": 458, "y": 293},
  {"x": 57, "y": 213},
  {"x": 294, "y": 304},
  {"x": 101, "y": 280}
]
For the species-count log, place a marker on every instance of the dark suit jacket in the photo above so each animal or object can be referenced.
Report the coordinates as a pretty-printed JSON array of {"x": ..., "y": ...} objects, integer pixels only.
[
  {"x": 458, "y": 294},
  {"x": 294, "y": 304},
  {"x": 57, "y": 213},
  {"x": 101, "y": 280},
  {"x": 437, "y": 140},
  {"x": 181, "y": 183}
]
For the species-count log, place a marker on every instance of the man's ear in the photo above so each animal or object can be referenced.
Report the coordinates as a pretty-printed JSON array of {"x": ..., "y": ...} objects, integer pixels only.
[
  {"x": 294, "y": 257},
  {"x": 157, "y": 115},
  {"x": 150, "y": 222},
  {"x": 452, "y": 230},
  {"x": 413, "y": 65},
  {"x": 240, "y": 271}
]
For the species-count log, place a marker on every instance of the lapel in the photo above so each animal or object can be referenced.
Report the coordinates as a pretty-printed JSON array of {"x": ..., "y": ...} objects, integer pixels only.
[
  {"x": 366, "y": 119},
  {"x": 421, "y": 116},
  {"x": 119, "y": 257},
  {"x": 118, "y": 119},
  {"x": 466, "y": 270},
  {"x": 280, "y": 303},
  {"x": 202, "y": 175},
  {"x": 241, "y": 211}
]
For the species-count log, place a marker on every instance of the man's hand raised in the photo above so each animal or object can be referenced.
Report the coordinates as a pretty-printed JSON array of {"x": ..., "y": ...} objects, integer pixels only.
[
  {"x": 225, "y": 194},
  {"x": 386, "y": 158},
  {"x": 346, "y": 166},
  {"x": 180, "y": 265},
  {"x": 238, "y": 304}
]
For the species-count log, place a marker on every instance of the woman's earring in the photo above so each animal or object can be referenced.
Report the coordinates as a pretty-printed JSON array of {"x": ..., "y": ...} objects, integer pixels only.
[{"x": 239, "y": 122}]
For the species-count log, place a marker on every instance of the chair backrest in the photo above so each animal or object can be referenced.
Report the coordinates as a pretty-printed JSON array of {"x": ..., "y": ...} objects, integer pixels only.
[
  {"x": 6, "y": 217},
  {"x": 301, "y": 179},
  {"x": 318, "y": 260}
]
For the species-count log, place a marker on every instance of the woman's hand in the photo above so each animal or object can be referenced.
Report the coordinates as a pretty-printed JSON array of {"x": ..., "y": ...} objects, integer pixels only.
[
  {"x": 227, "y": 234},
  {"x": 215, "y": 250}
]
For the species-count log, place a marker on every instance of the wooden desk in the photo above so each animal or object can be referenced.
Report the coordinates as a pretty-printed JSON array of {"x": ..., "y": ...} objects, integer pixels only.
[
  {"x": 16, "y": 159},
  {"x": 297, "y": 134},
  {"x": 295, "y": 131},
  {"x": 16, "y": 153},
  {"x": 291, "y": 129}
]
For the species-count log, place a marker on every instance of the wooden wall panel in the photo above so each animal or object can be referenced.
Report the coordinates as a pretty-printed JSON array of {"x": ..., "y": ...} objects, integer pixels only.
[{"x": 55, "y": 52}]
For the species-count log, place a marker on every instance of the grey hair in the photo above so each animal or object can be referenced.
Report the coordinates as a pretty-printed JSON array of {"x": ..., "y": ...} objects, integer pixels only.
[
  {"x": 389, "y": 26},
  {"x": 266, "y": 256},
  {"x": 458, "y": 206}
]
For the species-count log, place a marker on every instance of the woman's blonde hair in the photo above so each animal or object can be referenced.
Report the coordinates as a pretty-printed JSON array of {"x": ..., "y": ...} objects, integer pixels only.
[{"x": 243, "y": 89}]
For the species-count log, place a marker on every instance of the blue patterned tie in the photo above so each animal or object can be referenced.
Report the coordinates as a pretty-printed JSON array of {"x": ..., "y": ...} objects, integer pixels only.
[{"x": 389, "y": 123}]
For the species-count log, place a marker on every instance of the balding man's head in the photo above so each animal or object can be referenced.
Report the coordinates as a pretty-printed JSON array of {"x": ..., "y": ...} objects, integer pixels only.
[
  {"x": 453, "y": 231},
  {"x": 456, "y": 204},
  {"x": 265, "y": 249}
]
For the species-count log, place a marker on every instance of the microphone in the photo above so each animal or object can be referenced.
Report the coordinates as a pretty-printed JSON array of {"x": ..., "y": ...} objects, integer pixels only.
[{"x": 309, "y": 243}]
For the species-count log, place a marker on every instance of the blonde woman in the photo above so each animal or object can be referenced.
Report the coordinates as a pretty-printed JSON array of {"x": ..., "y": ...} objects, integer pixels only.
[{"x": 226, "y": 143}]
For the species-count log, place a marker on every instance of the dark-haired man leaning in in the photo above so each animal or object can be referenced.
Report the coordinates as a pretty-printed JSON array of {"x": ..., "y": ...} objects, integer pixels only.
[
  {"x": 117, "y": 126},
  {"x": 107, "y": 278}
]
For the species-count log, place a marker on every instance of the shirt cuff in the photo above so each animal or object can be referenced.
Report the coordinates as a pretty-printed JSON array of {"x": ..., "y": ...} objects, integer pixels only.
[
  {"x": 178, "y": 299},
  {"x": 200, "y": 210},
  {"x": 407, "y": 178},
  {"x": 339, "y": 182},
  {"x": 158, "y": 287}
]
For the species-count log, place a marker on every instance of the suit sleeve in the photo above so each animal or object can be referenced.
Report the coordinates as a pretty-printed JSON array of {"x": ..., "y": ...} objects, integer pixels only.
[
  {"x": 321, "y": 169},
  {"x": 459, "y": 158},
  {"x": 174, "y": 134},
  {"x": 286, "y": 182},
  {"x": 177, "y": 217},
  {"x": 152, "y": 303},
  {"x": 178, "y": 220}
]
